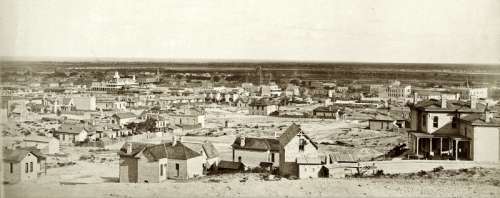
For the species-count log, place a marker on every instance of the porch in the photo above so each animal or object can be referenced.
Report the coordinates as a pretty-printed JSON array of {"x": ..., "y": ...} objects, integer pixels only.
[{"x": 439, "y": 146}]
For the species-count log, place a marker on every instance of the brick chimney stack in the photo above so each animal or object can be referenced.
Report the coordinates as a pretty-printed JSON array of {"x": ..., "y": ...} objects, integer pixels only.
[
  {"x": 473, "y": 102},
  {"x": 129, "y": 148},
  {"x": 242, "y": 141},
  {"x": 174, "y": 140},
  {"x": 443, "y": 102}
]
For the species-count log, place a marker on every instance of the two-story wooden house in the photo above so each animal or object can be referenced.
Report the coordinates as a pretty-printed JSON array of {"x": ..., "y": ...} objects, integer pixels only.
[
  {"x": 442, "y": 129},
  {"x": 298, "y": 154}
]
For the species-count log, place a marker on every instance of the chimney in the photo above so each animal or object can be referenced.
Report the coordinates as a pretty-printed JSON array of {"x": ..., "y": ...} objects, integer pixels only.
[
  {"x": 180, "y": 138},
  {"x": 129, "y": 148},
  {"x": 488, "y": 115},
  {"x": 415, "y": 97},
  {"x": 242, "y": 141},
  {"x": 473, "y": 102},
  {"x": 443, "y": 102},
  {"x": 174, "y": 140},
  {"x": 275, "y": 134},
  {"x": 457, "y": 96}
]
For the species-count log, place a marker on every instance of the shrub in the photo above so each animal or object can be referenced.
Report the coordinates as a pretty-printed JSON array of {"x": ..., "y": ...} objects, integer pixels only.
[
  {"x": 421, "y": 173},
  {"x": 379, "y": 173},
  {"x": 438, "y": 169}
]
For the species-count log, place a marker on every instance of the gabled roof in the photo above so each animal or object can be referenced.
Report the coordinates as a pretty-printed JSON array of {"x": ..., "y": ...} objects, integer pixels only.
[
  {"x": 136, "y": 148},
  {"x": 206, "y": 146},
  {"x": 261, "y": 102},
  {"x": 125, "y": 115},
  {"x": 66, "y": 101},
  {"x": 330, "y": 108},
  {"x": 257, "y": 144},
  {"x": 33, "y": 138},
  {"x": 71, "y": 128},
  {"x": 289, "y": 134},
  {"x": 292, "y": 131},
  {"x": 380, "y": 117},
  {"x": 16, "y": 155},
  {"x": 341, "y": 157},
  {"x": 480, "y": 120}
]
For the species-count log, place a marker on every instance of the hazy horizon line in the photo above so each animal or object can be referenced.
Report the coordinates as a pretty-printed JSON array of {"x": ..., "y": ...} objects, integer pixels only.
[{"x": 211, "y": 60}]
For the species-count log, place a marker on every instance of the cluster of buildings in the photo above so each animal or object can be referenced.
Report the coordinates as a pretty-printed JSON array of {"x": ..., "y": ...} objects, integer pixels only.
[{"x": 455, "y": 123}]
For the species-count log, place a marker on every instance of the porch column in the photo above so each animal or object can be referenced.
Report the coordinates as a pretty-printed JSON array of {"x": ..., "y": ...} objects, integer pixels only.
[
  {"x": 456, "y": 150},
  {"x": 440, "y": 146},
  {"x": 430, "y": 146},
  {"x": 417, "y": 144}
]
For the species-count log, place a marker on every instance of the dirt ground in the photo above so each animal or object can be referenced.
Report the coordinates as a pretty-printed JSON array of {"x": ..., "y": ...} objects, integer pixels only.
[
  {"x": 98, "y": 176},
  {"x": 233, "y": 186}
]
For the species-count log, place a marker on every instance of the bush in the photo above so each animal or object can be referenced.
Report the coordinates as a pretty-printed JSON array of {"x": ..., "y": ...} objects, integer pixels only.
[
  {"x": 438, "y": 169},
  {"x": 421, "y": 173},
  {"x": 379, "y": 173},
  {"x": 86, "y": 157}
]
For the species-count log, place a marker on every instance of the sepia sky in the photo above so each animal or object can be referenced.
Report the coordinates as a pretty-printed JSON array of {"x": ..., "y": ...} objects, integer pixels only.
[{"x": 437, "y": 31}]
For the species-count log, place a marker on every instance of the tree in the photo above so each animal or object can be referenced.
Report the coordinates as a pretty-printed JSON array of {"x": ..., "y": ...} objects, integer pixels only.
[{"x": 217, "y": 78}]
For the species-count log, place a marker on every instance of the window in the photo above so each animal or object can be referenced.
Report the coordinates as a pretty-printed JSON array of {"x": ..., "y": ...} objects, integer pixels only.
[
  {"x": 161, "y": 169},
  {"x": 272, "y": 157},
  {"x": 11, "y": 168},
  {"x": 302, "y": 144},
  {"x": 26, "y": 168},
  {"x": 435, "y": 122},
  {"x": 177, "y": 168},
  {"x": 424, "y": 121},
  {"x": 454, "y": 122},
  {"x": 31, "y": 166}
]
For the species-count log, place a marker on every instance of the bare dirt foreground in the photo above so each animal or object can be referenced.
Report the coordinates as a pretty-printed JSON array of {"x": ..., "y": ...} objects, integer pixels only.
[{"x": 379, "y": 187}]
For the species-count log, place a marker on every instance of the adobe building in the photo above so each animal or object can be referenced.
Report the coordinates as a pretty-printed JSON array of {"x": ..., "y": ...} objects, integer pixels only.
[{"x": 154, "y": 163}]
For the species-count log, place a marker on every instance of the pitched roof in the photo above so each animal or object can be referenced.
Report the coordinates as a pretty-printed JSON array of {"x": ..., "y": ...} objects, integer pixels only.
[
  {"x": 66, "y": 101},
  {"x": 289, "y": 134},
  {"x": 451, "y": 105},
  {"x": 341, "y": 157},
  {"x": 257, "y": 144},
  {"x": 206, "y": 146},
  {"x": 124, "y": 115},
  {"x": 382, "y": 118},
  {"x": 136, "y": 148},
  {"x": 16, "y": 155},
  {"x": 180, "y": 151},
  {"x": 71, "y": 128},
  {"x": 261, "y": 102},
  {"x": 480, "y": 119},
  {"x": 292, "y": 131},
  {"x": 330, "y": 108},
  {"x": 33, "y": 138},
  {"x": 154, "y": 152}
]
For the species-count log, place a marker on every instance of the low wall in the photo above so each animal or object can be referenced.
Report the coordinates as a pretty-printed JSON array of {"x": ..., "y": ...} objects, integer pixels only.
[{"x": 410, "y": 166}]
